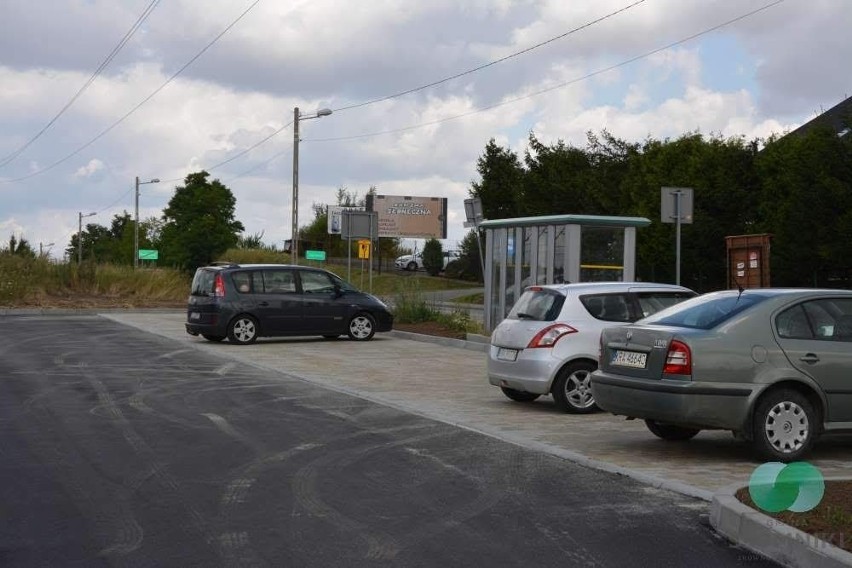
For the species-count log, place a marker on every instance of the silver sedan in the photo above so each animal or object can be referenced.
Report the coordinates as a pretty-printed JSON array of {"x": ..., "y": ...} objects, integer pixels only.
[{"x": 774, "y": 366}]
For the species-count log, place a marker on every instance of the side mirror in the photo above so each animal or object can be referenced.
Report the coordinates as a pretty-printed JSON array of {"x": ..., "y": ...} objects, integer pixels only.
[{"x": 338, "y": 291}]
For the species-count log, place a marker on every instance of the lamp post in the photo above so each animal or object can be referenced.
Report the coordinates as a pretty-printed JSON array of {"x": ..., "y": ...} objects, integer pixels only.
[
  {"x": 80, "y": 234},
  {"x": 41, "y": 248},
  {"x": 294, "y": 241},
  {"x": 136, "y": 224}
]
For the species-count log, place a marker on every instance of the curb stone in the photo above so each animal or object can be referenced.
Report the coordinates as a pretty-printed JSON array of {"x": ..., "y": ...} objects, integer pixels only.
[{"x": 764, "y": 535}]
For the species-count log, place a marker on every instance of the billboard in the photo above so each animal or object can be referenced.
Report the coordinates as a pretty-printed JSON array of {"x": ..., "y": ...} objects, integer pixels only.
[
  {"x": 410, "y": 216},
  {"x": 335, "y": 223}
]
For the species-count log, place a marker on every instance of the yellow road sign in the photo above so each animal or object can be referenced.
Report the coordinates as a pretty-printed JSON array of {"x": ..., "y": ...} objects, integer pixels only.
[{"x": 364, "y": 248}]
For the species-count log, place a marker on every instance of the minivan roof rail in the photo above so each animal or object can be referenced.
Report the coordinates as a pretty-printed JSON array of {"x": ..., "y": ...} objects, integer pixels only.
[{"x": 224, "y": 263}]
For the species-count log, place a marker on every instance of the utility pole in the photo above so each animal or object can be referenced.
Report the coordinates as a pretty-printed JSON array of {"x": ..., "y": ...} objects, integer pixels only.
[
  {"x": 294, "y": 241},
  {"x": 136, "y": 223},
  {"x": 80, "y": 234}
]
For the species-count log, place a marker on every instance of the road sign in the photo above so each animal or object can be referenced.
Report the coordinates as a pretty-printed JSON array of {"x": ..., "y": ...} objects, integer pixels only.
[
  {"x": 315, "y": 254},
  {"x": 146, "y": 254},
  {"x": 674, "y": 199},
  {"x": 364, "y": 249}
]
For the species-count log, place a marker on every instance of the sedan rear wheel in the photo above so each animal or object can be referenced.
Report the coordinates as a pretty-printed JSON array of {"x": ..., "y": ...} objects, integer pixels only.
[
  {"x": 519, "y": 396},
  {"x": 784, "y": 426},
  {"x": 671, "y": 432},
  {"x": 572, "y": 388},
  {"x": 362, "y": 327},
  {"x": 242, "y": 330},
  {"x": 411, "y": 266}
]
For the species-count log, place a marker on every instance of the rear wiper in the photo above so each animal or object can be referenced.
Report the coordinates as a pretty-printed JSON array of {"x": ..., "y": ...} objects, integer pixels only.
[{"x": 522, "y": 315}]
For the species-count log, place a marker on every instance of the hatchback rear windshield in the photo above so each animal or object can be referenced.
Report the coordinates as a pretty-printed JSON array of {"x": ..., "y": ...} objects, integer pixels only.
[
  {"x": 202, "y": 282},
  {"x": 539, "y": 304},
  {"x": 705, "y": 312}
]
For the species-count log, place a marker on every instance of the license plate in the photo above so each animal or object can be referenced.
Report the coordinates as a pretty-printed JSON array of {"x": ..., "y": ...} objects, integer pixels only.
[
  {"x": 630, "y": 359},
  {"x": 194, "y": 315},
  {"x": 507, "y": 354}
]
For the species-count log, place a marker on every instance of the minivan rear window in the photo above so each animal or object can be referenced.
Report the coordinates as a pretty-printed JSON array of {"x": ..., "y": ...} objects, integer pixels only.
[
  {"x": 538, "y": 304},
  {"x": 202, "y": 282}
]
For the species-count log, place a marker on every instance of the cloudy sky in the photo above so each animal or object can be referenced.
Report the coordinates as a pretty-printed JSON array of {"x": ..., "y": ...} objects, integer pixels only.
[{"x": 165, "y": 106}]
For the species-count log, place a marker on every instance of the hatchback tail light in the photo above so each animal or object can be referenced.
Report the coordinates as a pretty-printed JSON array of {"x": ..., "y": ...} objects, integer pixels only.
[
  {"x": 219, "y": 287},
  {"x": 678, "y": 359},
  {"x": 548, "y": 336}
]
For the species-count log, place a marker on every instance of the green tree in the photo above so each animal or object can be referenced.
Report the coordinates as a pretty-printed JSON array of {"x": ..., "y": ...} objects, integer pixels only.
[
  {"x": 198, "y": 223},
  {"x": 501, "y": 177},
  {"x": 19, "y": 247},
  {"x": 433, "y": 257},
  {"x": 806, "y": 204},
  {"x": 468, "y": 265}
]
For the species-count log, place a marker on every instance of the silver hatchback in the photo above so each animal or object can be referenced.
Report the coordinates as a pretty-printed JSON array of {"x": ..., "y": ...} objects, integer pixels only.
[
  {"x": 771, "y": 365},
  {"x": 549, "y": 342}
]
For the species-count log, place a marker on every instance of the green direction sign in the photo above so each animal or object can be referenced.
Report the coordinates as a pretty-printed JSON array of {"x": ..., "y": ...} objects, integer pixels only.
[
  {"x": 146, "y": 254},
  {"x": 315, "y": 254}
]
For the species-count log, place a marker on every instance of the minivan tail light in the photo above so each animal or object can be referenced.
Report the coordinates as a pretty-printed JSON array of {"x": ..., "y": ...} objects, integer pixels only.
[
  {"x": 548, "y": 336},
  {"x": 219, "y": 287},
  {"x": 678, "y": 359}
]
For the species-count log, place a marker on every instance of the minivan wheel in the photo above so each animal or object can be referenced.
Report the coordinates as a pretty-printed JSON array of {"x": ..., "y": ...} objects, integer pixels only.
[
  {"x": 519, "y": 396},
  {"x": 572, "y": 388},
  {"x": 411, "y": 266},
  {"x": 362, "y": 327},
  {"x": 785, "y": 426},
  {"x": 242, "y": 330},
  {"x": 671, "y": 432},
  {"x": 213, "y": 338}
]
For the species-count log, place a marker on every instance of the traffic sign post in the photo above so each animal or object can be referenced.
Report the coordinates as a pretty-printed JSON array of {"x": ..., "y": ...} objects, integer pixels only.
[{"x": 676, "y": 207}]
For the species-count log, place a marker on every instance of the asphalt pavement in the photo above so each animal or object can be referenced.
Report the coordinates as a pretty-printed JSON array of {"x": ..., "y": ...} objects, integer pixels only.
[{"x": 148, "y": 447}]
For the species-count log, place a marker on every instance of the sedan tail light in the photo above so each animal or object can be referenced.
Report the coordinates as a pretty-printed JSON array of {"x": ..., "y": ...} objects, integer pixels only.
[
  {"x": 678, "y": 359},
  {"x": 219, "y": 287},
  {"x": 548, "y": 336}
]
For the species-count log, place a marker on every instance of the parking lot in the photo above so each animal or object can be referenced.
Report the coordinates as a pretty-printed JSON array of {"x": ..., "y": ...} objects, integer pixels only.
[{"x": 449, "y": 384}]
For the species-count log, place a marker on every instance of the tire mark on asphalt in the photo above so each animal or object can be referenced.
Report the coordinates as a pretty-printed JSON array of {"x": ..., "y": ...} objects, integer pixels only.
[
  {"x": 380, "y": 545},
  {"x": 223, "y": 425}
]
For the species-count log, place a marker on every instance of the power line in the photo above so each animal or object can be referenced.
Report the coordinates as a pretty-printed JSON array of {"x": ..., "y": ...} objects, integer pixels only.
[
  {"x": 555, "y": 87},
  {"x": 434, "y": 83},
  {"x": 242, "y": 153},
  {"x": 134, "y": 109},
  {"x": 495, "y": 62},
  {"x": 86, "y": 85}
]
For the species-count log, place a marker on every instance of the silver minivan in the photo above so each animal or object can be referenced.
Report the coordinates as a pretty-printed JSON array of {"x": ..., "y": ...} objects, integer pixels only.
[{"x": 549, "y": 342}]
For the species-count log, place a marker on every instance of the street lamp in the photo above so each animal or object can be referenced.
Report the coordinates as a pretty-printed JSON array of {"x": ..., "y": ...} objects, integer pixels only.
[
  {"x": 136, "y": 227},
  {"x": 41, "y": 248},
  {"x": 294, "y": 241},
  {"x": 80, "y": 234}
]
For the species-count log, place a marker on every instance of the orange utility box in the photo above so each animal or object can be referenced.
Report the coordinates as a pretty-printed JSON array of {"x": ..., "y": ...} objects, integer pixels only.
[{"x": 748, "y": 261}]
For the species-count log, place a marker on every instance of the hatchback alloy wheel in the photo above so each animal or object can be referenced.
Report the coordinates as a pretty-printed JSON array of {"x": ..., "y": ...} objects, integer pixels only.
[
  {"x": 361, "y": 327},
  {"x": 572, "y": 389}
]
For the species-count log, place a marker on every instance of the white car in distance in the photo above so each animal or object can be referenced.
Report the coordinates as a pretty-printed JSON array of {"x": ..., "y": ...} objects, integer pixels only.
[{"x": 415, "y": 261}]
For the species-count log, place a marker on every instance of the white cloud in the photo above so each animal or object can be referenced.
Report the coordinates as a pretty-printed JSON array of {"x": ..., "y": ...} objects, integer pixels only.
[
  {"x": 93, "y": 167},
  {"x": 327, "y": 53}
]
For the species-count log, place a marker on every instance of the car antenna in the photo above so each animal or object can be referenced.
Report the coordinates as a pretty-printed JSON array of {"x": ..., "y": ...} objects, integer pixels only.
[{"x": 740, "y": 290}]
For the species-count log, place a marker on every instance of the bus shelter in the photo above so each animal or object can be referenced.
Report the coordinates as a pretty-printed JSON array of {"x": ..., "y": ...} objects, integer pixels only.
[{"x": 554, "y": 249}]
